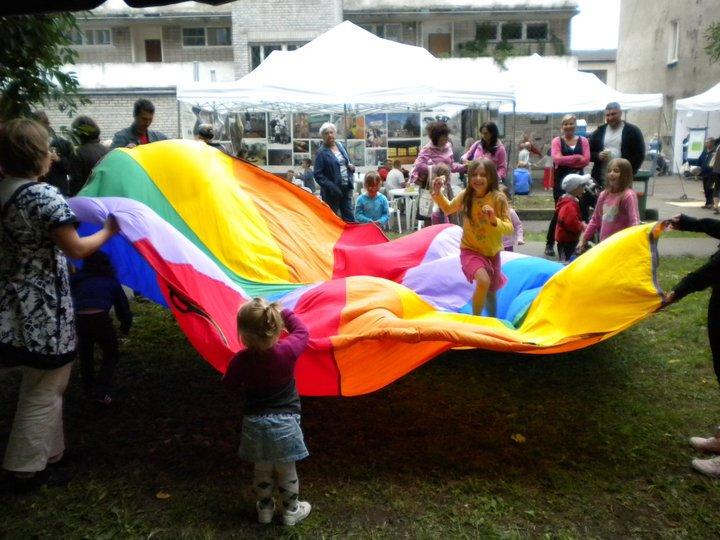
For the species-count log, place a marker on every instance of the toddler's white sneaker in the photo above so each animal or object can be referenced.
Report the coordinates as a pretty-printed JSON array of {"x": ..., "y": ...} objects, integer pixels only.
[
  {"x": 301, "y": 512},
  {"x": 265, "y": 515}
]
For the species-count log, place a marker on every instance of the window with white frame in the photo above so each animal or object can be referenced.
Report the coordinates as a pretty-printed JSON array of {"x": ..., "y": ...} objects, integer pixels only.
[
  {"x": 210, "y": 36},
  {"x": 91, "y": 36},
  {"x": 259, "y": 52},
  {"x": 673, "y": 42}
]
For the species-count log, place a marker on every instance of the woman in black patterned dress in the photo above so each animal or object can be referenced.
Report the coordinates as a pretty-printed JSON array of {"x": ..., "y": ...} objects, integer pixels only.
[{"x": 37, "y": 327}]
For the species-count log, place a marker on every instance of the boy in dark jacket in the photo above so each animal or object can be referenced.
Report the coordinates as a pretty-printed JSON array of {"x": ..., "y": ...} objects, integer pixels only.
[{"x": 95, "y": 290}]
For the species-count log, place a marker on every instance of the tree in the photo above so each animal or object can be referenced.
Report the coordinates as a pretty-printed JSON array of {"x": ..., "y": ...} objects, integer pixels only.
[
  {"x": 35, "y": 47},
  {"x": 712, "y": 38}
]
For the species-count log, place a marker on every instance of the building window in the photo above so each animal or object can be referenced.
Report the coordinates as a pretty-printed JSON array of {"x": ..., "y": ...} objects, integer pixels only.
[
  {"x": 393, "y": 32},
  {"x": 537, "y": 31},
  {"x": 193, "y": 37},
  {"x": 511, "y": 31},
  {"x": 101, "y": 36},
  {"x": 400, "y": 32},
  {"x": 258, "y": 53},
  {"x": 213, "y": 36},
  {"x": 486, "y": 32},
  {"x": 674, "y": 42},
  {"x": 409, "y": 33},
  {"x": 219, "y": 35}
]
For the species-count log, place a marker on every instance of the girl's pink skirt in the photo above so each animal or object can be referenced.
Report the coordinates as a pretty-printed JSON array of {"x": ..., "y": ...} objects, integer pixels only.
[{"x": 472, "y": 261}]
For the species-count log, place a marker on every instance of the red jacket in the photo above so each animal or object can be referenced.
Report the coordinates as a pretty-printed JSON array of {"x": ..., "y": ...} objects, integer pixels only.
[{"x": 569, "y": 221}]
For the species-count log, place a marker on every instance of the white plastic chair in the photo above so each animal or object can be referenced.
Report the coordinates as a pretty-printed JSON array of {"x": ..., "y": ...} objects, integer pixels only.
[{"x": 393, "y": 210}]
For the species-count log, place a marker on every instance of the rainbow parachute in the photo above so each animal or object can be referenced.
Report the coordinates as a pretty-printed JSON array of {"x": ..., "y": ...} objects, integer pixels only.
[{"x": 202, "y": 232}]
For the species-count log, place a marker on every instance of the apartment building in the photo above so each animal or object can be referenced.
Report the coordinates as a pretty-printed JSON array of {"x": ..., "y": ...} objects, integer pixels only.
[{"x": 124, "y": 53}]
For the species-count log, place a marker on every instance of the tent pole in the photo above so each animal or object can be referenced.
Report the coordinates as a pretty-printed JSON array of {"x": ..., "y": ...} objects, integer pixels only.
[
  {"x": 512, "y": 147},
  {"x": 179, "y": 117},
  {"x": 345, "y": 124}
]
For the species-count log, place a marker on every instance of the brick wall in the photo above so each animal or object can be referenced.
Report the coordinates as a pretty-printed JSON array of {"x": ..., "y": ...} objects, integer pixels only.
[
  {"x": 119, "y": 51},
  {"x": 113, "y": 111},
  {"x": 173, "y": 51},
  {"x": 291, "y": 21}
]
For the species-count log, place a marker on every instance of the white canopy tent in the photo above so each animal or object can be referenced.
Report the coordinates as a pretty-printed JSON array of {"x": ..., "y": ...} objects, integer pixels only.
[
  {"x": 698, "y": 117},
  {"x": 544, "y": 86},
  {"x": 708, "y": 101},
  {"x": 340, "y": 70}
]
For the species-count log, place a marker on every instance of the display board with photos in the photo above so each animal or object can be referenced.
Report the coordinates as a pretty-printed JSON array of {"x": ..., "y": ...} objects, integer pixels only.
[{"x": 280, "y": 141}]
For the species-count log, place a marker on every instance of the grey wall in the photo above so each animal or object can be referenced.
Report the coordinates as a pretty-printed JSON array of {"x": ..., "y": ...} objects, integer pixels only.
[
  {"x": 642, "y": 57},
  {"x": 112, "y": 110},
  {"x": 260, "y": 21}
]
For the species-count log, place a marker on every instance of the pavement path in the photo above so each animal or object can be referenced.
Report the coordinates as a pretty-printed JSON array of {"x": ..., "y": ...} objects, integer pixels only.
[{"x": 669, "y": 195}]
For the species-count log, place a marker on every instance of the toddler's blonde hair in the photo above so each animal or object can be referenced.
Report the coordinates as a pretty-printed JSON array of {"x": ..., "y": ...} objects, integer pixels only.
[{"x": 259, "y": 323}]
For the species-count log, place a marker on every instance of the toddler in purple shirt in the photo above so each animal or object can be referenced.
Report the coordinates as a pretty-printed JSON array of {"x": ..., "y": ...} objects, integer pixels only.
[{"x": 263, "y": 374}]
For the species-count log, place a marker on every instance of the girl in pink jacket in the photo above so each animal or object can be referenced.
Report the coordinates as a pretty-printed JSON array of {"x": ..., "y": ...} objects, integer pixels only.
[
  {"x": 617, "y": 205},
  {"x": 490, "y": 147}
]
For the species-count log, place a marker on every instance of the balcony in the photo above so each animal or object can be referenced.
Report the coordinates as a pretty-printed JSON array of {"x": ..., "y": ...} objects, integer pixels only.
[{"x": 150, "y": 74}]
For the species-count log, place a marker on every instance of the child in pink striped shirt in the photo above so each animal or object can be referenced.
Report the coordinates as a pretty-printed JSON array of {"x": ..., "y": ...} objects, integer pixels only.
[{"x": 617, "y": 205}]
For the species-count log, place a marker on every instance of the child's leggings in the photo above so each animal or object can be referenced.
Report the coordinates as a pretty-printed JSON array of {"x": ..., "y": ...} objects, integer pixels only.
[
  {"x": 287, "y": 481},
  {"x": 97, "y": 328}
]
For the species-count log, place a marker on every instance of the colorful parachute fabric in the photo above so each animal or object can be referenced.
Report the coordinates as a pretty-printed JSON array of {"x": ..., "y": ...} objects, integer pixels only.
[{"x": 202, "y": 232}]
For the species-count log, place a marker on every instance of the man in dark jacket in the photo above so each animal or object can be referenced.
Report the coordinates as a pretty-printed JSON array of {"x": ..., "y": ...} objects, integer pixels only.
[
  {"x": 138, "y": 132},
  {"x": 706, "y": 162},
  {"x": 616, "y": 138}
]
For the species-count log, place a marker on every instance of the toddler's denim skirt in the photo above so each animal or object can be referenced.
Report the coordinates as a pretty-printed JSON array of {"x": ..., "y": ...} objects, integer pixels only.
[{"x": 272, "y": 437}]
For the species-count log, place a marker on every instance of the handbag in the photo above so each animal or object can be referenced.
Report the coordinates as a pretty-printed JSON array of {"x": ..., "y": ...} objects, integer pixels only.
[{"x": 425, "y": 202}]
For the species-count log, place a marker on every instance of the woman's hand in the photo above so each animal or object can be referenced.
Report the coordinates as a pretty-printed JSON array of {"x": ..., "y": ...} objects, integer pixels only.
[
  {"x": 111, "y": 226},
  {"x": 438, "y": 184}
]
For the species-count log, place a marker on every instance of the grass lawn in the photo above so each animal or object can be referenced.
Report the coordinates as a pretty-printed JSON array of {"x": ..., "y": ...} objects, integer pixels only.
[{"x": 589, "y": 444}]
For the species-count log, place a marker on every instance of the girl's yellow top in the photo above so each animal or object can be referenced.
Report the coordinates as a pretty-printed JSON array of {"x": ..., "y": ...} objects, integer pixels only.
[{"x": 478, "y": 234}]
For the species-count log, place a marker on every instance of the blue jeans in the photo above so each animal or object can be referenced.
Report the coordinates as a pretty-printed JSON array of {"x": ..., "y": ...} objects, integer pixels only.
[{"x": 272, "y": 437}]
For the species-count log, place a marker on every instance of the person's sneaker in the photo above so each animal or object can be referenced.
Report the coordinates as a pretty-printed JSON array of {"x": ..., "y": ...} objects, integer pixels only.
[
  {"x": 301, "y": 512},
  {"x": 265, "y": 515},
  {"x": 710, "y": 445},
  {"x": 47, "y": 477},
  {"x": 549, "y": 251},
  {"x": 709, "y": 467}
]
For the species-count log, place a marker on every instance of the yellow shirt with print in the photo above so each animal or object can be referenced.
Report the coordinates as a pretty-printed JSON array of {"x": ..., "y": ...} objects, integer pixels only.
[{"x": 479, "y": 235}]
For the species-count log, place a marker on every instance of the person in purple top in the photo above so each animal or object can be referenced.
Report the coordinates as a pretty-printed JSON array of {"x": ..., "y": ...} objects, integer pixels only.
[
  {"x": 438, "y": 150},
  {"x": 617, "y": 205},
  {"x": 489, "y": 146},
  {"x": 263, "y": 374}
]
